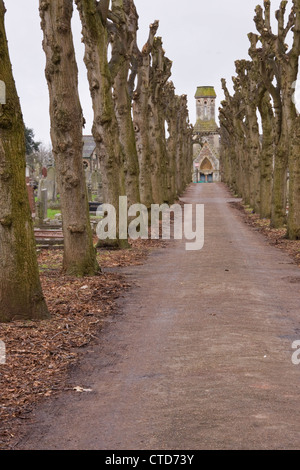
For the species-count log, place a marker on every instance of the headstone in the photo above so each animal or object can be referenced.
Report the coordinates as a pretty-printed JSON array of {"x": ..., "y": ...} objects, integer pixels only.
[
  {"x": 42, "y": 185},
  {"x": 51, "y": 184},
  {"x": 94, "y": 181},
  {"x": 88, "y": 176},
  {"x": 37, "y": 171},
  {"x": 90, "y": 195},
  {"x": 2, "y": 92},
  {"x": 99, "y": 194},
  {"x": 43, "y": 205}
]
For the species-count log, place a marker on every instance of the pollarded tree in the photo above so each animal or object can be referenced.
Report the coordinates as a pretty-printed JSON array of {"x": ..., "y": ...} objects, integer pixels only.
[
  {"x": 183, "y": 145},
  {"x": 105, "y": 129},
  {"x": 228, "y": 158},
  {"x": 179, "y": 142},
  {"x": 122, "y": 28},
  {"x": 171, "y": 111},
  {"x": 279, "y": 69},
  {"x": 234, "y": 109},
  {"x": 264, "y": 74},
  {"x": 140, "y": 68},
  {"x": 21, "y": 295},
  {"x": 294, "y": 203},
  {"x": 267, "y": 153},
  {"x": 160, "y": 72},
  {"x": 249, "y": 91},
  {"x": 66, "y": 134},
  {"x": 186, "y": 131},
  {"x": 293, "y": 225}
]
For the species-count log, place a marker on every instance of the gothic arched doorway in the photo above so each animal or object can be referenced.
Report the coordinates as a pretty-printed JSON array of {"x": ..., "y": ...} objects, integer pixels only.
[
  {"x": 206, "y": 171},
  {"x": 206, "y": 165}
]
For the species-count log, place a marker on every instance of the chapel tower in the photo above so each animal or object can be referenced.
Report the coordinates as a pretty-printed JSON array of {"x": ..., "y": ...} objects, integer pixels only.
[{"x": 206, "y": 136}]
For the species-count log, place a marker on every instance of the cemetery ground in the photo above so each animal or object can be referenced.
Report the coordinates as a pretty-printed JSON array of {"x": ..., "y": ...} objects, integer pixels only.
[
  {"x": 40, "y": 354},
  {"x": 163, "y": 350}
]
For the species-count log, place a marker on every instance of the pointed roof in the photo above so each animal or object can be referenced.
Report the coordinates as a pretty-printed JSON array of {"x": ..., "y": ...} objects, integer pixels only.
[
  {"x": 205, "y": 92},
  {"x": 205, "y": 126},
  {"x": 207, "y": 151}
]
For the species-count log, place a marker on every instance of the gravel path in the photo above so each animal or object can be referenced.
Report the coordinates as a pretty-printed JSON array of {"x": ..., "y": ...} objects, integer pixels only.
[{"x": 200, "y": 357}]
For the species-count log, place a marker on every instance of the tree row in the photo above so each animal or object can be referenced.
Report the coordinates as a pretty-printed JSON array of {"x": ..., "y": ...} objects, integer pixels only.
[
  {"x": 260, "y": 125},
  {"x": 134, "y": 105}
]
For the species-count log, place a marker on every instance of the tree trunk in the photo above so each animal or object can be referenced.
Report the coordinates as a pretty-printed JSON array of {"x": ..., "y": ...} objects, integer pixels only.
[
  {"x": 66, "y": 134},
  {"x": 160, "y": 73},
  {"x": 127, "y": 136},
  {"x": 279, "y": 193},
  {"x": 171, "y": 112},
  {"x": 294, "y": 201},
  {"x": 21, "y": 296},
  {"x": 275, "y": 63},
  {"x": 183, "y": 147},
  {"x": 141, "y": 97},
  {"x": 105, "y": 127},
  {"x": 293, "y": 223},
  {"x": 124, "y": 38},
  {"x": 267, "y": 153}
]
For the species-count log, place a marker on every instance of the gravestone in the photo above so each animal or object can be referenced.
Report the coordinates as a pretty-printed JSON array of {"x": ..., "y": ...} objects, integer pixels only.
[
  {"x": 99, "y": 194},
  {"x": 51, "y": 184},
  {"x": 43, "y": 206},
  {"x": 41, "y": 186},
  {"x": 90, "y": 193},
  {"x": 94, "y": 181},
  {"x": 88, "y": 176},
  {"x": 37, "y": 171}
]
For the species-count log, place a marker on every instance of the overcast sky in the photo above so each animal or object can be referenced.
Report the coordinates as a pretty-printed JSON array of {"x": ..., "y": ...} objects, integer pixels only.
[{"x": 202, "y": 38}]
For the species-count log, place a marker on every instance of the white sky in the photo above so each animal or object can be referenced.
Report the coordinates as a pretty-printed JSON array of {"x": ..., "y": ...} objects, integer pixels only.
[{"x": 202, "y": 38}]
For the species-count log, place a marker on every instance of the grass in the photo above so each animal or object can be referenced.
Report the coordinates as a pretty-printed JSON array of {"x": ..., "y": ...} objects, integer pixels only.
[{"x": 51, "y": 213}]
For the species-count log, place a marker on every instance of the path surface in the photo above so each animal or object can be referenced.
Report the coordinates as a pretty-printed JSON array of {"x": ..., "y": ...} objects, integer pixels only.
[{"x": 200, "y": 357}]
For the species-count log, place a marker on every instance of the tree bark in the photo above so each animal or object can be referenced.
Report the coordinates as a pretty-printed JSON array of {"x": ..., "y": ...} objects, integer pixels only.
[
  {"x": 249, "y": 92},
  {"x": 228, "y": 157},
  {"x": 294, "y": 202},
  {"x": 233, "y": 114},
  {"x": 276, "y": 62},
  {"x": 21, "y": 296},
  {"x": 171, "y": 106},
  {"x": 184, "y": 152},
  {"x": 66, "y": 135},
  {"x": 293, "y": 223},
  {"x": 141, "y": 97},
  {"x": 105, "y": 127},
  {"x": 267, "y": 154},
  {"x": 123, "y": 38},
  {"x": 160, "y": 73}
]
